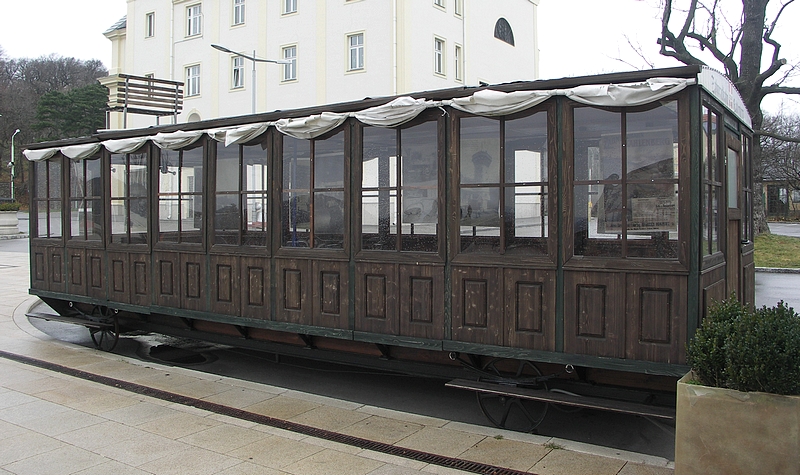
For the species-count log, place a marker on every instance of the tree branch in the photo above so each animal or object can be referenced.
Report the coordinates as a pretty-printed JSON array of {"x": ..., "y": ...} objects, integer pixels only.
[
  {"x": 784, "y": 138},
  {"x": 776, "y": 89}
]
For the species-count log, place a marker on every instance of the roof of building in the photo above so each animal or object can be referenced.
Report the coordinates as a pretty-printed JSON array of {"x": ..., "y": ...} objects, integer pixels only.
[{"x": 118, "y": 25}]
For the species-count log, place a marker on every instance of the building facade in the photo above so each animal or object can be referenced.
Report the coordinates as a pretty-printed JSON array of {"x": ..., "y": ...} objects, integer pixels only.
[{"x": 332, "y": 51}]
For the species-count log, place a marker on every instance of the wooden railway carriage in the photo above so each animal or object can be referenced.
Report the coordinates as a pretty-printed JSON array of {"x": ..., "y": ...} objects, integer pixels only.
[{"x": 582, "y": 223}]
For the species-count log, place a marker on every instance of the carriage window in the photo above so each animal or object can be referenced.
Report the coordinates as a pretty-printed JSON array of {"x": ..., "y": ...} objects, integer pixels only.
[
  {"x": 48, "y": 198},
  {"x": 747, "y": 190},
  {"x": 240, "y": 216},
  {"x": 85, "y": 200},
  {"x": 412, "y": 200},
  {"x": 712, "y": 181},
  {"x": 504, "y": 185},
  {"x": 129, "y": 200},
  {"x": 313, "y": 209},
  {"x": 626, "y": 183},
  {"x": 180, "y": 196}
]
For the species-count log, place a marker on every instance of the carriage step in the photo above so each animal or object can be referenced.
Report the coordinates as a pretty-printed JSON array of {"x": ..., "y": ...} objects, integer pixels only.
[
  {"x": 76, "y": 321},
  {"x": 586, "y": 402}
]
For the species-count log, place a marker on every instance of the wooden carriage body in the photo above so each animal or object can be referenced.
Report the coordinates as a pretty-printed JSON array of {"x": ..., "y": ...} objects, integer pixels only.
[{"x": 581, "y": 221}]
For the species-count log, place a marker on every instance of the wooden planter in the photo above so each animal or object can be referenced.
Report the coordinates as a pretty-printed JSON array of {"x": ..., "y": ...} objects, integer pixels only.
[
  {"x": 9, "y": 223},
  {"x": 723, "y": 431}
]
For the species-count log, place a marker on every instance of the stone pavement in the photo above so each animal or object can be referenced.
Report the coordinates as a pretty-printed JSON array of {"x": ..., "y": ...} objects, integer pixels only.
[{"x": 54, "y": 423}]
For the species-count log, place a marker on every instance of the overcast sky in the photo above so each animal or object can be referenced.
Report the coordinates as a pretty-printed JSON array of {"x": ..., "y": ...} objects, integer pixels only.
[{"x": 577, "y": 37}]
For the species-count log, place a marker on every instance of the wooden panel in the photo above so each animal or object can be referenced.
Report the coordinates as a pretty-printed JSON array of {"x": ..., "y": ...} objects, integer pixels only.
[
  {"x": 530, "y": 320},
  {"x": 594, "y": 313},
  {"x": 140, "y": 279},
  {"x": 225, "y": 284},
  {"x": 656, "y": 318},
  {"x": 193, "y": 282},
  {"x": 167, "y": 279},
  {"x": 376, "y": 298},
  {"x": 95, "y": 275},
  {"x": 39, "y": 271},
  {"x": 330, "y": 294},
  {"x": 477, "y": 305},
  {"x": 293, "y": 290},
  {"x": 713, "y": 288},
  {"x": 57, "y": 273},
  {"x": 76, "y": 283},
  {"x": 421, "y": 295},
  {"x": 255, "y": 286},
  {"x": 117, "y": 277}
]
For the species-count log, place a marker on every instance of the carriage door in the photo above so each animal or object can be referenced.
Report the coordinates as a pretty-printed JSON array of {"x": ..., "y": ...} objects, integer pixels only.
[{"x": 734, "y": 233}]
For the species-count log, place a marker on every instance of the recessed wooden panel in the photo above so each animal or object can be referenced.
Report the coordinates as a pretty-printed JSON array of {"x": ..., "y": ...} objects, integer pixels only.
[
  {"x": 591, "y": 310},
  {"x": 421, "y": 295},
  {"x": 225, "y": 284},
  {"x": 141, "y": 287},
  {"x": 140, "y": 278},
  {"x": 594, "y": 313},
  {"x": 75, "y": 271},
  {"x": 118, "y": 276},
  {"x": 167, "y": 279},
  {"x": 39, "y": 271},
  {"x": 530, "y": 319},
  {"x": 255, "y": 287},
  {"x": 656, "y": 318},
  {"x": 330, "y": 294},
  {"x": 193, "y": 282},
  {"x": 655, "y": 310},
  {"x": 376, "y": 306},
  {"x": 95, "y": 278},
  {"x": 56, "y": 269},
  {"x": 96, "y": 269},
  {"x": 293, "y": 291},
  {"x": 478, "y": 305}
]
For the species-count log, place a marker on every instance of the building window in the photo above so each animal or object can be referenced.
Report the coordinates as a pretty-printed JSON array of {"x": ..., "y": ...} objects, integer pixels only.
[
  {"x": 193, "y": 80},
  {"x": 458, "y": 7},
  {"x": 289, "y": 6},
  {"x": 504, "y": 185},
  {"x": 459, "y": 63},
  {"x": 503, "y": 32},
  {"x": 290, "y": 68},
  {"x": 400, "y": 189},
  {"x": 180, "y": 196},
  {"x": 712, "y": 180},
  {"x": 85, "y": 200},
  {"x": 238, "y": 12},
  {"x": 150, "y": 25},
  {"x": 194, "y": 20},
  {"x": 313, "y": 199},
  {"x": 238, "y": 72},
  {"x": 355, "y": 45},
  {"x": 242, "y": 191},
  {"x": 130, "y": 203},
  {"x": 439, "y": 3},
  {"x": 438, "y": 56},
  {"x": 625, "y": 183},
  {"x": 47, "y": 198}
]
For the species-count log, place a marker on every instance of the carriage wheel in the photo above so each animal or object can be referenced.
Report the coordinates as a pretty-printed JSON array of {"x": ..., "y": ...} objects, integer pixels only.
[
  {"x": 105, "y": 339},
  {"x": 510, "y": 412}
]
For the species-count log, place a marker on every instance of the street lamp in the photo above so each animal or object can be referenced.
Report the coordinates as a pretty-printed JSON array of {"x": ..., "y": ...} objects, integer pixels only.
[
  {"x": 11, "y": 164},
  {"x": 254, "y": 60}
]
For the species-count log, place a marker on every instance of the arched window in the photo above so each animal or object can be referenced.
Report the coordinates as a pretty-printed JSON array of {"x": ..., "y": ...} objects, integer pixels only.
[{"x": 502, "y": 31}]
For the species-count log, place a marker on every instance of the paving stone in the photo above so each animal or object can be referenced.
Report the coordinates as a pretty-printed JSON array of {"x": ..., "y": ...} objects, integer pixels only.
[
  {"x": 440, "y": 441},
  {"x": 224, "y": 438},
  {"x": 194, "y": 461},
  {"x": 566, "y": 462},
  {"x": 506, "y": 453},
  {"x": 275, "y": 452},
  {"x": 331, "y": 462}
]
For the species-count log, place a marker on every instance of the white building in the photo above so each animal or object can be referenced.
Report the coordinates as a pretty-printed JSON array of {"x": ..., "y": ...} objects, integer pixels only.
[{"x": 338, "y": 50}]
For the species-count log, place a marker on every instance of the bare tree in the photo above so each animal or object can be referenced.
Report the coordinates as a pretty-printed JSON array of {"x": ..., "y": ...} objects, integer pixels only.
[{"x": 701, "y": 32}]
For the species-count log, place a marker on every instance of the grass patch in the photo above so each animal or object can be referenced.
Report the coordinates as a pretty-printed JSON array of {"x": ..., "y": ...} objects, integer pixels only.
[
  {"x": 553, "y": 446},
  {"x": 772, "y": 250}
]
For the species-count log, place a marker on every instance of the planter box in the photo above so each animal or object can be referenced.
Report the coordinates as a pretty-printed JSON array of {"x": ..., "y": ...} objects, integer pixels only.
[
  {"x": 9, "y": 224},
  {"x": 722, "y": 431}
]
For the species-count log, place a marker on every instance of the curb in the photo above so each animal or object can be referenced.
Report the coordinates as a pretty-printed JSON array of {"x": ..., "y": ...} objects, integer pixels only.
[
  {"x": 778, "y": 270},
  {"x": 4, "y": 237}
]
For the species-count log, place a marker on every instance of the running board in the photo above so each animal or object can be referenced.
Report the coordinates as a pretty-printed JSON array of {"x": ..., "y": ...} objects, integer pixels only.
[
  {"x": 75, "y": 321},
  {"x": 586, "y": 402}
]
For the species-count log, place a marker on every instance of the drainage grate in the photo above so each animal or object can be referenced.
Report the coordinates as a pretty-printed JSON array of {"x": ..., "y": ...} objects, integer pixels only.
[{"x": 443, "y": 461}]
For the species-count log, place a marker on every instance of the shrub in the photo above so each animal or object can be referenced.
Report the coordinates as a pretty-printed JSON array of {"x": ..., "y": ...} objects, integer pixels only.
[
  {"x": 748, "y": 350},
  {"x": 9, "y": 206}
]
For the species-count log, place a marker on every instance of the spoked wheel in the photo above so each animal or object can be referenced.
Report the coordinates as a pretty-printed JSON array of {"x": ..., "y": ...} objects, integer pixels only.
[
  {"x": 105, "y": 338},
  {"x": 510, "y": 412}
]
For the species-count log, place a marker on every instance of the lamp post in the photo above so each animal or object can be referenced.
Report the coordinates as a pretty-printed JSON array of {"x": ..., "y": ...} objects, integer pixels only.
[
  {"x": 255, "y": 60},
  {"x": 11, "y": 164}
]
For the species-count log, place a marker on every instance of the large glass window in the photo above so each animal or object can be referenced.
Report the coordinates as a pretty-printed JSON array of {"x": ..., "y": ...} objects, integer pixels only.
[
  {"x": 240, "y": 216},
  {"x": 180, "y": 196},
  {"x": 503, "y": 195},
  {"x": 626, "y": 182},
  {"x": 290, "y": 68},
  {"x": 313, "y": 207},
  {"x": 238, "y": 12},
  {"x": 193, "y": 80},
  {"x": 438, "y": 56},
  {"x": 355, "y": 45},
  {"x": 747, "y": 190},
  {"x": 86, "y": 200},
  {"x": 400, "y": 188},
  {"x": 237, "y": 79},
  {"x": 712, "y": 181},
  {"x": 194, "y": 20},
  {"x": 47, "y": 198},
  {"x": 130, "y": 203}
]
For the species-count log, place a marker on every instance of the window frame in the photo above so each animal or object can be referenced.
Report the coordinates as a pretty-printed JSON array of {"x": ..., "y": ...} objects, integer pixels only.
[
  {"x": 439, "y": 58},
  {"x": 150, "y": 24},
  {"x": 179, "y": 195},
  {"x": 82, "y": 200},
  {"x": 237, "y": 72},
  {"x": 289, "y": 72},
  {"x": 359, "y": 50},
  {"x": 194, "y": 20},
  {"x": 288, "y": 7},
  {"x": 239, "y": 12},
  {"x": 127, "y": 198},
  {"x": 458, "y": 59},
  {"x": 192, "y": 80},
  {"x": 43, "y": 205}
]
